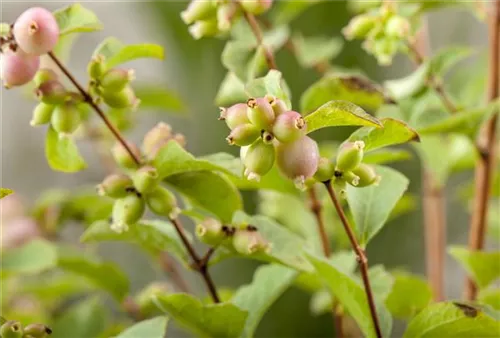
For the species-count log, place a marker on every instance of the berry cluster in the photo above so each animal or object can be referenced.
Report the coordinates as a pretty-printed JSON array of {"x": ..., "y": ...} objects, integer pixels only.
[
  {"x": 140, "y": 185},
  {"x": 268, "y": 132},
  {"x": 14, "y": 329},
  {"x": 384, "y": 31},
  {"x": 34, "y": 33},
  {"x": 215, "y": 17}
]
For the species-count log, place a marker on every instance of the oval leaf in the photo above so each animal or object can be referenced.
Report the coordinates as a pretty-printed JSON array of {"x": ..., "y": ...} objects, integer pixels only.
[
  {"x": 339, "y": 113},
  {"x": 386, "y": 156},
  {"x": 116, "y": 53},
  {"x": 483, "y": 267},
  {"x": 76, "y": 18},
  {"x": 62, "y": 153},
  {"x": 150, "y": 328},
  {"x": 32, "y": 258},
  {"x": 272, "y": 84}
]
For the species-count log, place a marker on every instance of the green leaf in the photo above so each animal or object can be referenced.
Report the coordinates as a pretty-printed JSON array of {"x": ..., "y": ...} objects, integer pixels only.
[
  {"x": 213, "y": 320},
  {"x": 117, "y": 53},
  {"x": 62, "y": 153},
  {"x": 409, "y": 85},
  {"x": 231, "y": 91},
  {"x": 352, "y": 297},
  {"x": 105, "y": 275},
  {"x": 272, "y": 84},
  {"x": 381, "y": 281},
  {"x": 210, "y": 191},
  {"x": 5, "y": 192},
  {"x": 393, "y": 132},
  {"x": 434, "y": 150},
  {"x": 30, "y": 259},
  {"x": 448, "y": 57},
  {"x": 159, "y": 97},
  {"x": 321, "y": 302},
  {"x": 387, "y": 155},
  {"x": 82, "y": 320},
  {"x": 490, "y": 296},
  {"x": 269, "y": 283},
  {"x": 243, "y": 60},
  {"x": 76, "y": 18},
  {"x": 285, "y": 11},
  {"x": 339, "y": 113},
  {"x": 453, "y": 319},
  {"x": 482, "y": 267},
  {"x": 149, "y": 328},
  {"x": 313, "y": 50},
  {"x": 152, "y": 235},
  {"x": 406, "y": 204},
  {"x": 371, "y": 206},
  {"x": 409, "y": 295},
  {"x": 346, "y": 87}
]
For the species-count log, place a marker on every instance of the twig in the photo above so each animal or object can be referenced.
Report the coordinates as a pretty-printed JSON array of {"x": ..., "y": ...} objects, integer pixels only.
[
  {"x": 486, "y": 146},
  {"x": 361, "y": 257},
  {"x": 170, "y": 267}
]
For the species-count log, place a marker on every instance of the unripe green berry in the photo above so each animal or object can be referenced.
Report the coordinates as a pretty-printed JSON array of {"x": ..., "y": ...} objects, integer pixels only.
[
  {"x": 51, "y": 92},
  {"x": 325, "y": 171},
  {"x": 162, "y": 202},
  {"x": 384, "y": 49},
  {"x": 116, "y": 79},
  {"x": 278, "y": 105},
  {"x": 11, "y": 329},
  {"x": 367, "y": 175},
  {"x": 122, "y": 156},
  {"x": 243, "y": 135},
  {"x": 42, "y": 114},
  {"x": 124, "y": 98},
  {"x": 65, "y": 118},
  {"x": 145, "y": 298},
  {"x": 397, "y": 27},
  {"x": 350, "y": 178},
  {"x": 199, "y": 10},
  {"x": 249, "y": 241},
  {"x": 225, "y": 16},
  {"x": 259, "y": 159},
  {"x": 256, "y": 7},
  {"x": 298, "y": 160},
  {"x": 96, "y": 67},
  {"x": 210, "y": 232},
  {"x": 43, "y": 75},
  {"x": 127, "y": 211},
  {"x": 289, "y": 126},
  {"x": 350, "y": 155},
  {"x": 203, "y": 28},
  {"x": 37, "y": 331},
  {"x": 360, "y": 26},
  {"x": 235, "y": 115},
  {"x": 115, "y": 186},
  {"x": 260, "y": 113},
  {"x": 145, "y": 179}
]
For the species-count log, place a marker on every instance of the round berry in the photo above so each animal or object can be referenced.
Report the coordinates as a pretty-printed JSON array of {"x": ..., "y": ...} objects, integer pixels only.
[
  {"x": 122, "y": 156},
  {"x": 243, "y": 135},
  {"x": 44, "y": 75},
  {"x": 42, "y": 114},
  {"x": 18, "y": 68},
  {"x": 260, "y": 113},
  {"x": 116, "y": 79},
  {"x": 256, "y": 7},
  {"x": 51, "y": 92},
  {"x": 162, "y": 202},
  {"x": 124, "y": 98},
  {"x": 115, "y": 186},
  {"x": 367, "y": 175},
  {"x": 127, "y": 211},
  {"x": 298, "y": 160},
  {"x": 259, "y": 159},
  {"x": 350, "y": 155},
  {"x": 325, "y": 170},
  {"x": 36, "y": 31},
  {"x": 289, "y": 126},
  {"x": 235, "y": 115},
  {"x": 66, "y": 118}
]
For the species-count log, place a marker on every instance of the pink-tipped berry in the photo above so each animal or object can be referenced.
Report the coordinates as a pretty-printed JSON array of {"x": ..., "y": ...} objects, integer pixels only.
[
  {"x": 260, "y": 113},
  {"x": 289, "y": 126},
  {"x": 235, "y": 115},
  {"x": 298, "y": 160},
  {"x": 243, "y": 135},
  {"x": 115, "y": 186},
  {"x": 17, "y": 68},
  {"x": 36, "y": 31}
]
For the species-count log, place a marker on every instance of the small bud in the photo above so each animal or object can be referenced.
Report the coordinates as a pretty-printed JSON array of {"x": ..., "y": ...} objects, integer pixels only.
[
  {"x": 203, "y": 28},
  {"x": 325, "y": 171},
  {"x": 158, "y": 137},
  {"x": 122, "y": 156},
  {"x": 250, "y": 241},
  {"x": 36, "y": 31},
  {"x": 235, "y": 115},
  {"x": 350, "y": 155},
  {"x": 243, "y": 135},
  {"x": 124, "y": 98},
  {"x": 96, "y": 67},
  {"x": 289, "y": 126},
  {"x": 11, "y": 329},
  {"x": 350, "y": 178},
  {"x": 162, "y": 202},
  {"x": 43, "y": 75},
  {"x": 259, "y": 159},
  {"x": 210, "y": 232},
  {"x": 17, "y": 68},
  {"x": 298, "y": 160},
  {"x": 145, "y": 179},
  {"x": 116, "y": 79},
  {"x": 367, "y": 175},
  {"x": 42, "y": 114},
  {"x": 37, "y": 331},
  {"x": 51, "y": 92},
  {"x": 127, "y": 211},
  {"x": 115, "y": 186},
  {"x": 260, "y": 113},
  {"x": 256, "y": 7},
  {"x": 397, "y": 27},
  {"x": 359, "y": 27},
  {"x": 199, "y": 10},
  {"x": 65, "y": 118},
  {"x": 279, "y": 106},
  {"x": 145, "y": 298}
]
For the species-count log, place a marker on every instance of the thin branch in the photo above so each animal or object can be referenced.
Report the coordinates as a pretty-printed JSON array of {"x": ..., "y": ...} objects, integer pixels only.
[
  {"x": 171, "y": 268},
  {"x": 486, "y": 147},
  {"x": 361, "y": 257}
]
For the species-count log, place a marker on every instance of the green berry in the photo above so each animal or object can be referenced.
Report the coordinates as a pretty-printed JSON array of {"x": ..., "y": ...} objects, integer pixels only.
[
  {"x": 96, "y": 67},
  {"x": 367, "y": 175},
  {"x": 235, "y": 115},
  {"x": 11, "y": 329},
  {"x": 145, "y": 298},
  {"x": 203, "y": 28},
  {"x": 259, "y": 159},
  {"x": 278, "y": 105},
  {"x": 162, "y": 202},
  {"x": 122, "y": 156},
  {"x": 115, "y": 186},
  {"x": 249, "y": 241},
  {"x": 199, "y": 10},
  {"x": 210, "y": 232},
  {"x": 66, "y": 118},
  {"x": 243, "y": 135},
  {"x": 51, "y": 92},
  {"x": 350, "y": 155},
  {"x": 397, "y": 27},
  {"x": 260, "y": 113},
  {"x": 145, "y": 179},
  {"x": 124, "y": 98},
  {"x": 116, "y": 79},
  {"x": 351, "y": 178},
  {"x": 43, "y": 75},
  {"x": 37, "y": 331},
  {"x": 325, "y": 171},
  {"x": 42, "y": 114},
  {"x": 127, "y": 211},
  {"x": 256, "y": 7},
  {"x": 360, "y": 26}
]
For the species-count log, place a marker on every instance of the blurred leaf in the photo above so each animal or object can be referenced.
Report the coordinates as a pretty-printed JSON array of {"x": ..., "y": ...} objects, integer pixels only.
[
  {"x": 409, "y": 295},
  {"x": 116, "y": 53},
  {"x": 352, "y": 297},
  {"x": 285, "y": 11},
  {"x": 381, "y": 281},
  {"x": 490, "y": 296},
  {"x": 321, "y": 303},
  {"x": 272, "y": 84},
  {"x": 393, "y": 132},
  {"x": 231, "y": 91},
  {"x": 62, "y": 153},
  {"x": 347, "y": 87},
  {"x": 313, "y": 50},
  {"x": 213, "y": 320},
  {"x": 482, "y": 267},
  {"x": 493, "y": 220},
  {"x": 30, "y": 259},
  {"x": 149, "y": 328},
  {"x": 268, "y": 284},
  {"x": 453, "y": 319},
  {"x": 276, "y": 37},
  {"x": 406, "y": 204},
  {"x": 87, "y": 206},
  {"x": 209, "y": 191},
  {"x": 409, "y": 85},
  {"x": 468, "y": 84},
  {"x": 463, "y": 153},
  {"x": 155, "y": 236},
  {"x": 371, "y": 206},
  {"x": 159, "y": 97},
  {"x": 448, "y": 57},
  {"x": 339, "y": 113},
  {"x": 5, "y": 192},
  {"x": 434, "y": 152},
  {"x": 55, "y": 287},
  {"x": 76, "y": 18},
  {"x": 107, "y": 276},
  {"x": 64, "y": 46},
  {"x": 243, "y": 60},
  {"x": 85, "y": 319},
  {"x": 386, "y": 155}
]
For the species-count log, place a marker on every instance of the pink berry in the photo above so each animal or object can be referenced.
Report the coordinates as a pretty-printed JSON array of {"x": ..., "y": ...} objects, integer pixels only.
[
  {"x": 18, "y": 68},
  {"x": 235, "y": 115},
  {"x": 298, "y": 160},
  {"x": 289, "y": 127},
  {"x": 36, "y": 31}
]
